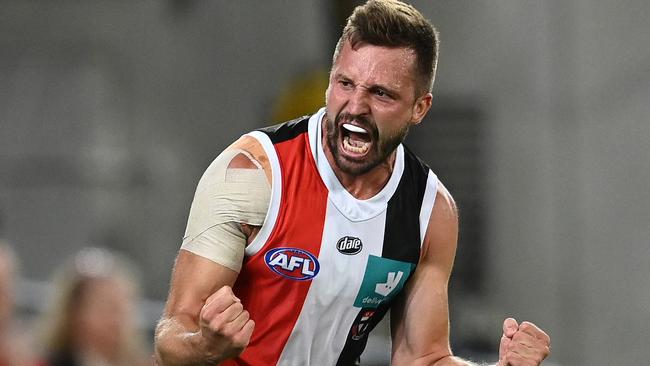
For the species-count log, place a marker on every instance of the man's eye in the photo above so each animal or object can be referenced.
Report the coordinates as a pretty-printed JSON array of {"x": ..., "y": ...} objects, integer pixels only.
[
  {"x": 382, "y": 93},
  {"x": 345, "y": 84}
]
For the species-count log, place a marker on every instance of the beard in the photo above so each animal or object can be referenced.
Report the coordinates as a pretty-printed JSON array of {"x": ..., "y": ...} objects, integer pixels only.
[{"x": 380, "y": 149}]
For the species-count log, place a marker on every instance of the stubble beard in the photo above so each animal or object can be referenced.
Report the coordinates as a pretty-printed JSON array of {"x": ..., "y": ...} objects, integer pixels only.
[{"x": 381, "y": 148}]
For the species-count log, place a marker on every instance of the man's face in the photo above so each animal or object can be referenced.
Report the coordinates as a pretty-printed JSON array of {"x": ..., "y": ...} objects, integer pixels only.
[{"x": 371, "y": 103}]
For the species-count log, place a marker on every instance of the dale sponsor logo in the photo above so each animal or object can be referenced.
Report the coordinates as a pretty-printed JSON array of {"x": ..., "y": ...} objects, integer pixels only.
[
  {"x": 349, "y": 245},
  {"x": 296, "y": 264}
]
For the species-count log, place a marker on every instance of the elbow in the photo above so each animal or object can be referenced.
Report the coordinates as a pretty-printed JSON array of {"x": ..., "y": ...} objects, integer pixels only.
[
  {"x": 431, "y": 359},
  {"x": 161, "y": 351},
  {"x": 164, "y": 353}
]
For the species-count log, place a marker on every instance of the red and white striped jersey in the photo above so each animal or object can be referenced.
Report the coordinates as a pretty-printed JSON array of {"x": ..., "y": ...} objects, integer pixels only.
[{"x": 325, "y": 266}]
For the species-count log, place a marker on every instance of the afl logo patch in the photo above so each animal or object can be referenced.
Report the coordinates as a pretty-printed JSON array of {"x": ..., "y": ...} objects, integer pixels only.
[
  {"x": 293, "y": 263},
  {"x": 349, "y": 245}
]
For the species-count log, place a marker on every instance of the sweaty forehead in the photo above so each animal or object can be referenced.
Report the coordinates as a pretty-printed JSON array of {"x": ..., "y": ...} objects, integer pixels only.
[{"x": 393, "y": 67}]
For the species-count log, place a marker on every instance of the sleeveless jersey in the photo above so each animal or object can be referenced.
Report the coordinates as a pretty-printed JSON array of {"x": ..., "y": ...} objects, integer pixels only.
[{"x": 325, "y": 267}]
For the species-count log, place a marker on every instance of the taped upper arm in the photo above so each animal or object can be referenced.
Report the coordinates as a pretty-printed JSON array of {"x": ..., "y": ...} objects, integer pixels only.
[{"x": 231, "y": 199}]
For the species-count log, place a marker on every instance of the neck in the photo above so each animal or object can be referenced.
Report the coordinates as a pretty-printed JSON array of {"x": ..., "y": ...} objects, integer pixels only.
[{"x": 361, "y": 186}]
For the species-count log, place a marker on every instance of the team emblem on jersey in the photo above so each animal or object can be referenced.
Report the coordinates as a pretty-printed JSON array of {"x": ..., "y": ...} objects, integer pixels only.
[
  {"x": 349, "y": 245},
  {"x": 360, "y": 327},
  {"x": 293, "y": 263}
]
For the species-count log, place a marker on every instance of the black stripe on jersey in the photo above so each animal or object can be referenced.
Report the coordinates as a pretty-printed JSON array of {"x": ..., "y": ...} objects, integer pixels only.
[
  {"x": 402, "y": 235},
  {"x": 286, "y": 130},
  {"x": 351, "y": 353},
  {"x": 401, "y": 242}
]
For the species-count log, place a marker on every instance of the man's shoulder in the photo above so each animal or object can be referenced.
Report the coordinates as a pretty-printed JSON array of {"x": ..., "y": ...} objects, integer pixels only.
[
  {"x": 286, "y": 130},
  {"x": 249, "y": 150},
  {"x": 446, "y": 205}
]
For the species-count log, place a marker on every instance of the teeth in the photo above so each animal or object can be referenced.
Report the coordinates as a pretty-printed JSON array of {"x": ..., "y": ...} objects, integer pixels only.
[
  {"x": 356, "y": 147},
  {"x": 353, "y": 128}
]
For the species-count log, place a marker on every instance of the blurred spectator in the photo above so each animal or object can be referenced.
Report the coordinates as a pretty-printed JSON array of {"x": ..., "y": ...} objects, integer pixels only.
[
  {"x": 13, "y": 343},
  {"x": 92, "y": 321}
]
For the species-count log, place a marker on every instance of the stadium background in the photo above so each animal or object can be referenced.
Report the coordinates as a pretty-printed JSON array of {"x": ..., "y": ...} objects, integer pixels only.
[{"x": 111, "y": 110}]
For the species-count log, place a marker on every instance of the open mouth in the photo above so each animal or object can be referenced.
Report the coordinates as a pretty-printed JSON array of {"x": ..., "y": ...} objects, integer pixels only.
[{"x": 357, "y": 141}]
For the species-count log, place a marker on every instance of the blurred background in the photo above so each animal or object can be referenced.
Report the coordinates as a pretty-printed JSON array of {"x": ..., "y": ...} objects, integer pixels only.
[{"x": 111, "y": 110}]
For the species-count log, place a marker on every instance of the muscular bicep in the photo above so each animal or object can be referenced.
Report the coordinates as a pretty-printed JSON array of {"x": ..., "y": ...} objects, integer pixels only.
[
  {"x": 194, "y": 279},
  {"x": 420, "y": 318},
  {"x": 229, "y": 206}
]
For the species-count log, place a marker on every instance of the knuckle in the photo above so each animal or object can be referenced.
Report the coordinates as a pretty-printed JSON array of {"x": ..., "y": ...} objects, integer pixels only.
[
  {"x": 238, "y": 307},
  {"x": 525, "y": 326}
]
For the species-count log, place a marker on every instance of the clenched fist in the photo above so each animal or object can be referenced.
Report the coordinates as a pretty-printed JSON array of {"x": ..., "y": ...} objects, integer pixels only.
[
  {"x": 225, "y": 325},
  {"x": 523, "y": 345}
]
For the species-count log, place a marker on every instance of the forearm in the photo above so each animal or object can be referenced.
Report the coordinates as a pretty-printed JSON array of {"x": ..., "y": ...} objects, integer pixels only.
[
  {"x": 456, "y": 361},
  {"x": 180, "y": 343},
  {"x": 402, "y": 359},
  {"x": 428, "y": 361}
]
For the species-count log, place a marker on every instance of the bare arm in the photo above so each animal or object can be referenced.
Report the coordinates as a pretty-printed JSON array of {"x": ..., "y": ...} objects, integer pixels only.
[
  {"x": 420, "y": 318},
  {"x": 180, "y": 338},
  {"x": 204, "y": 322}
]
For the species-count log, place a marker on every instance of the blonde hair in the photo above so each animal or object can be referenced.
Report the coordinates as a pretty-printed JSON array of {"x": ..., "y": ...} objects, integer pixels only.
[{"x": 71, "y": 283}]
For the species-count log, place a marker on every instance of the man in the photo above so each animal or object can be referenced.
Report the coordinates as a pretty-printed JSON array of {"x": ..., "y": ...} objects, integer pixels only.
[{"x": 301, "y": 237}]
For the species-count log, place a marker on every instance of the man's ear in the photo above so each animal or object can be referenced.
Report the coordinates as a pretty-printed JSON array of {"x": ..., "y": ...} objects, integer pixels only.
[{"x": 421, "y": 107}]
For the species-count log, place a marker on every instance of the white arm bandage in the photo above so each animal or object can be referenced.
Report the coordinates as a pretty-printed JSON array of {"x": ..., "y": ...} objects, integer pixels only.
[{"x": 224, "y": 199}]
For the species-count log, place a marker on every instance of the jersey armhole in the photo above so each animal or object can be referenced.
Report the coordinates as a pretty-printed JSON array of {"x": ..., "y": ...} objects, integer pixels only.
[
  {"x": 428, "y": 201},
  {"x": 276, "y": 194}
]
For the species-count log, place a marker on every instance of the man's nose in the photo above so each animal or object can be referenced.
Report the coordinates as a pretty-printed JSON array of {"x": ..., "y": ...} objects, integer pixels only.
[{"x": 358, "y": 102}]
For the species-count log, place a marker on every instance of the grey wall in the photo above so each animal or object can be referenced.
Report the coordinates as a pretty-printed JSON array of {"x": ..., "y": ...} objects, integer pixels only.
[
  {"x": 109, "y": 112},
  {"x": 566, "y": 85}
]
